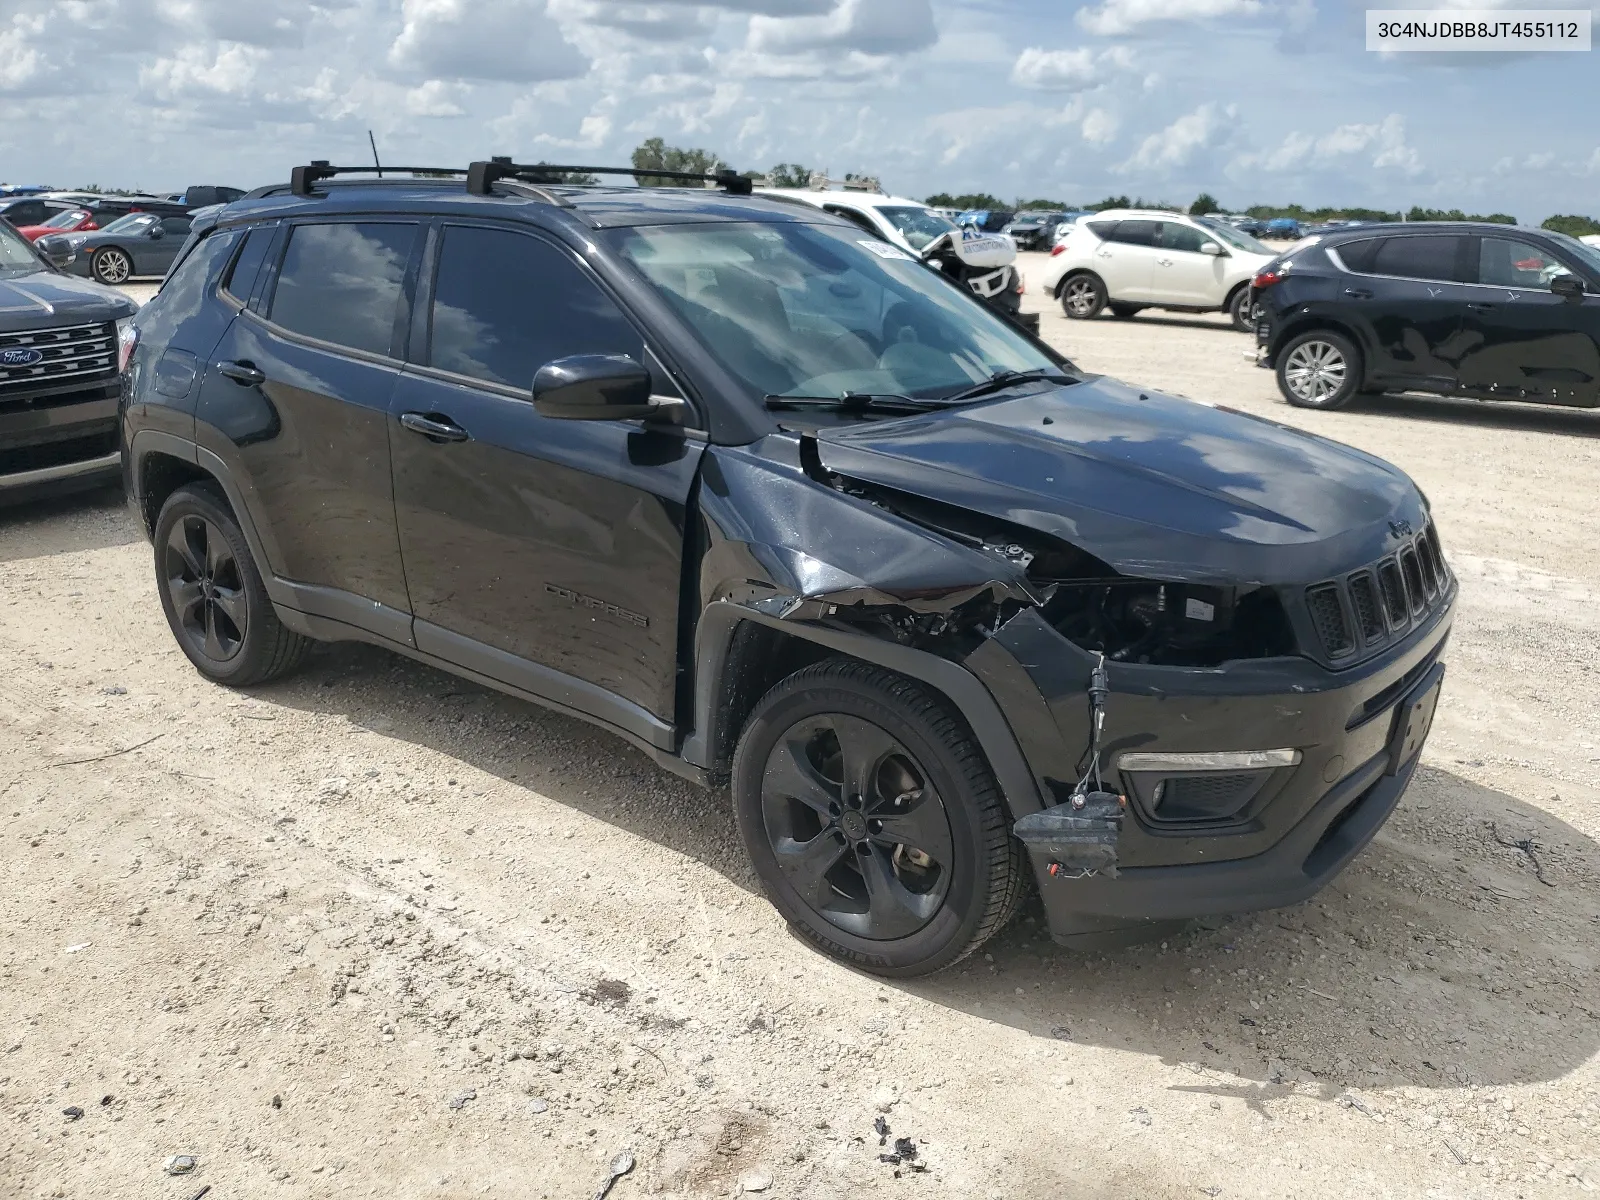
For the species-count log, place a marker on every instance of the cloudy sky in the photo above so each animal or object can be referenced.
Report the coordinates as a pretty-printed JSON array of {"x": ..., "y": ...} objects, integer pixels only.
[{"x": 1252, "y": 100}]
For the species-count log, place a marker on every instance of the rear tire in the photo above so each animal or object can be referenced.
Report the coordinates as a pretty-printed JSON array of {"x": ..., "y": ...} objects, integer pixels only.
[
  {"x": 1319, "y": 369},
  {"x": 873, "y": 820},
  {"x": 111, "y": 266},
  {"x": 211, "y": 590},
  {"x": 1240, "y": 312},
  {"x": 1125, "y": 311},
  {"x": 1082, "y": 296}
]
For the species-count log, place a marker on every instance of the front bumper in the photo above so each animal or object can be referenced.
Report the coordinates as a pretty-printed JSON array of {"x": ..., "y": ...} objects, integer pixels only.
[
  {"x": 58, "y": 438},
  {"x": 1301, "y": 826}
]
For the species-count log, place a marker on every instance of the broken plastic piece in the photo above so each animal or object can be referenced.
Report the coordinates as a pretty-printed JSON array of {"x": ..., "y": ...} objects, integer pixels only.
[
  {"x": 181, "y": 1164},
  {"x": 1077, "y": 841}
]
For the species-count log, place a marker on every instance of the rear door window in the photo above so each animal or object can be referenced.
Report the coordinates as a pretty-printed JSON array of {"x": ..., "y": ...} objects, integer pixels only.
[
  {"x": 1137, "y": 233},
  {"x": 175, "y": 226},
  {"x": 1429, "y": 256},
  {"x": 1507, "y": 262},
  {"x": 342, "y": 282},
  {"x": 505, "y": 303}
]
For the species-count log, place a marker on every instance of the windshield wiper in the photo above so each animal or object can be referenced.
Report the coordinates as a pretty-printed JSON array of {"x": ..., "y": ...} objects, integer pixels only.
[
  {"x": 857, "y": 402},
  {"x": 1001, "y": 380}
]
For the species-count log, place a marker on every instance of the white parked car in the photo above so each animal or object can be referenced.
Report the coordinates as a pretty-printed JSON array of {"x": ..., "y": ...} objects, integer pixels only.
[{"x": 1128, "y": 259}]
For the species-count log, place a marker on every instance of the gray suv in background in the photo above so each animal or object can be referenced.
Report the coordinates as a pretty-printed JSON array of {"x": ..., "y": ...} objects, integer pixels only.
[{"x": 59, "y": 360}]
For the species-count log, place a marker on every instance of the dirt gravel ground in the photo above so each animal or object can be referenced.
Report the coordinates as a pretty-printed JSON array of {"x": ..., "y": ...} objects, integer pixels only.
[{"x": 376, "y": 931}]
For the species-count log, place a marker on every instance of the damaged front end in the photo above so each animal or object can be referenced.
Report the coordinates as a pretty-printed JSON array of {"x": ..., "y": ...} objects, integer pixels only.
[{"x": 1247, "y": 737}]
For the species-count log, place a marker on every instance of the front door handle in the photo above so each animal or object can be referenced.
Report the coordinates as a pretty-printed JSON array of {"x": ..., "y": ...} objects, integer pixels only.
[
  {"x": 1480, "y": 306},
  {"x": 1165, "y": 262},
  {"x": 244, "y": 373},
  {"x": 1358, "y": 293},
  {"x": 434, "y": 426}
]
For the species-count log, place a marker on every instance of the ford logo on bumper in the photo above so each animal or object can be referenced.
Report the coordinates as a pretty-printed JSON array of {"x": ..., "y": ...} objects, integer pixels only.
[{"x": 20, "y": 357}]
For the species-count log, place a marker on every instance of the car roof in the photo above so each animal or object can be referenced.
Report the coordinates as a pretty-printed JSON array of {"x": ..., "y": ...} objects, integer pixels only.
[
  {"x": 1142, "y": 214},
  {"x": 598, "y": 206},
  {"x": 1352, "y": 233},
  {"x": 838, "y": 195}
]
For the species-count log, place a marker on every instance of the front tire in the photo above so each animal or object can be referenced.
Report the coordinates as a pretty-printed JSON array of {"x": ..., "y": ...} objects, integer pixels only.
[
  {"x": 212, "y": 593},
  {"x": 112, "y": 265},
  {"x": 1319, "y": 369},
  {"x": 873, "y": 820},
  {"x": 1082, "y": 297}
]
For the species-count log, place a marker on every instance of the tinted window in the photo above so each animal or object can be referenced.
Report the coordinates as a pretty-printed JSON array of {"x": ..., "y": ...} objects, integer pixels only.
[
  {"x": 187, "y": 287},
  {"x": 1104, "y": 230},
  {"x": 242, "y": 279},
  {"x": 1137, "y": 233},
  {"x": 1358, "y": 256},
  {"x": 507, "y": 303},
  {"x": 1428, "y": 257},
  {"x": 1508, "y": 263},
  {"x": 1181, "y": 237},
  {"x": 25, "y": 212},
  {"x": 342, "y": 283},
  {"x": 175, "y": 225}
]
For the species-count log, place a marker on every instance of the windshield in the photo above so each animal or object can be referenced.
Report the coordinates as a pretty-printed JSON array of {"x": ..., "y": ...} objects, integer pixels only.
[
  {"x": 806, "y": 310},
  {"x": 66, "y": 220},
  {"x": 15, "y": 253},
  {"x": 918, "y": 226},
  {"x": 1239, "y": 241},
  {"x": 129, "y": 223}
]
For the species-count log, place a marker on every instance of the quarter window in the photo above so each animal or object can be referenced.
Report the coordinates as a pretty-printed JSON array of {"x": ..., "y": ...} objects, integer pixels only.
[
  {"x": 341, "y": 283},
  {"x": 507, "y": 303},
  {"x": 242, "y": 279},
  {"x": 1358, "y": 255},
  {"x": 1104, "y": 230},
  {"x": 1424, "y": 257},
  {"x": 175, "y": 226},
  {"x": 1507, "y": 263}
]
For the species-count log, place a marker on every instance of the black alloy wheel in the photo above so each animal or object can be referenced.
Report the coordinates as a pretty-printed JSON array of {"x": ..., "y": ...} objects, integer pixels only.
[
  {"x": 213, "y": 595},
  {"x": 873, "y": 820},
  {"x": 856, "y": 827}
]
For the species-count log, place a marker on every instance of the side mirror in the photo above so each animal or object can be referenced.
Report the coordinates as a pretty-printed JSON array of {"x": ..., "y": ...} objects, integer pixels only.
[
  {"x": 155, "y": 233},
  {"x": 598, "y": 387},
  {"x": 1568, "y": 287},
  {"x": 56, "y": 249},
  {"x": 1213, "y": 249}
]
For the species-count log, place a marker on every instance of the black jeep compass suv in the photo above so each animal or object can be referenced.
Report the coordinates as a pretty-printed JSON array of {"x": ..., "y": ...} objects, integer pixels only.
[{"x": 789, "y": 513}]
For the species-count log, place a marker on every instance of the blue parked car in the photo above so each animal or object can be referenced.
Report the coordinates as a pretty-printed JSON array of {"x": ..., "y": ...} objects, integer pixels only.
[{"x": 1282, "y": 227}]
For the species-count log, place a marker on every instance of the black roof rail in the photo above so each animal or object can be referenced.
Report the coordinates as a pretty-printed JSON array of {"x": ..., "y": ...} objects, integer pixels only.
[
  {"x": 303, "y": 179},
  {"x": 481, "y": 176}
]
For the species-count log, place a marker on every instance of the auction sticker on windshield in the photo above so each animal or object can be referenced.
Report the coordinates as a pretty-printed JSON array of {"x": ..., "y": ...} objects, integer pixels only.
[
  {"x": 1478, "y": 29},
  {"x": 883, "y": 249}
]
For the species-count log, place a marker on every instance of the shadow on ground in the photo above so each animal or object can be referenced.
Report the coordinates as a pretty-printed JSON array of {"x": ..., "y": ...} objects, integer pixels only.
[
  {"x": 1487, "y": 414},
  {"x": 66, "y": 524},
  {"x": 1439, "y": 958}
]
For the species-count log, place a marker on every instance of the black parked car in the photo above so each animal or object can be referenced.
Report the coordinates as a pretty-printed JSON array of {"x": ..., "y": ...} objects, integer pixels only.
[
  {"x": 781, "y": 507},
  {"x": 58, "y": 370},
  {"x": 1034, "y": 230},
  {"x": 1454, "y": 308},
  {"x": 21, "y": 211}
]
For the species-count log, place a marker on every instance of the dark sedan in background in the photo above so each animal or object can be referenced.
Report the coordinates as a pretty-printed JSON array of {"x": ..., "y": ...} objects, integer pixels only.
[{"x": 138, "y": 244}]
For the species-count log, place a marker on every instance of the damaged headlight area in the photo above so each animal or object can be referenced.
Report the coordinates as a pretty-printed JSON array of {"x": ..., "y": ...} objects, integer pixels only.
[{"x": 1101, "y": 610}]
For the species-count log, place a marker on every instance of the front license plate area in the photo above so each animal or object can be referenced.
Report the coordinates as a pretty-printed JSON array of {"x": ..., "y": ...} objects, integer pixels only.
[{"x": 1413, "y": 718}]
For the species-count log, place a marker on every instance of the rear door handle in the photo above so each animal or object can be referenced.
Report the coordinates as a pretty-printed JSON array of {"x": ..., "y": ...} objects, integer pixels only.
[
  {"x": 1480, "y": 306},
  {"x": 1165, "y": 262},
  {"x": 1358, "y": 293},
  {"x": 438, "y": 428},
  {"x": 243, "y": 372}
]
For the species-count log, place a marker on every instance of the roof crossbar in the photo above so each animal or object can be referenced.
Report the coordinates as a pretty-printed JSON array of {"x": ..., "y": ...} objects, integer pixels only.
[
  {"x": 481, "y": 176},
  {"x": 303, "y": 179}
]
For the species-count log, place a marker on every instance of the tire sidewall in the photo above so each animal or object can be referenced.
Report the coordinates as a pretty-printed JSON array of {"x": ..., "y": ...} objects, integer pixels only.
[
  {"x": 944, "y": 938},
  {"x": 1354, "y": 369},
  {"x": 1239, "y": 310},
  {"x": 245, "y": 665},
  {"x": 1100, "y": 292}
]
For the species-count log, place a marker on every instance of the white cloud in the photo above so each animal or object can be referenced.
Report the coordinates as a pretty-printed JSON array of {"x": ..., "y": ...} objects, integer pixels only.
[
  {"x": 511, "y": 40},
  {"x": 1115, "y": 17},
  {"x": 1178, "y": 143},
  {"x": 1384, "y": 140},
  {"x": 1067, "y": 70},
  {"x": 20, "y": 61},
  {"x": 877, "y": 27},
  {"x": 1099, "y": 126},
  {"x": 227, "y": 68},
  {"x": 433, "y": 99}
]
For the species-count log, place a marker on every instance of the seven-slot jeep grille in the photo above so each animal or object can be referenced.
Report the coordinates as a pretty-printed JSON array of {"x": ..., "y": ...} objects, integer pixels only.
[{"x": 1369, "y": 608}]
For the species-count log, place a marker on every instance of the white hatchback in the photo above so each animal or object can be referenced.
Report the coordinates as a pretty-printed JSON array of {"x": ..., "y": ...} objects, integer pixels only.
[{"x": 1129, "y": 259}]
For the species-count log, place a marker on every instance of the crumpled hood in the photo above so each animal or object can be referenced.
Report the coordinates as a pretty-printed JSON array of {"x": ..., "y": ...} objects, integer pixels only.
[
  {"x": 43, "y": 300},
  {"x": 1153, "y": 485}
]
